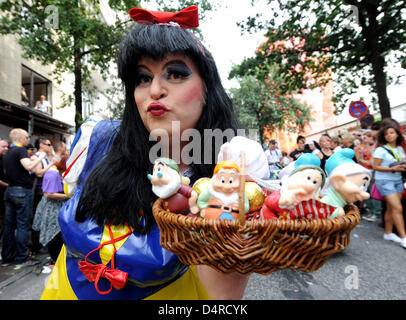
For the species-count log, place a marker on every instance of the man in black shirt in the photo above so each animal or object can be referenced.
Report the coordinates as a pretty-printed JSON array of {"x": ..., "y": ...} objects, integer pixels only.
[
  {"x": 18, "y": 199},
  {"x": 300, "y": 149}
]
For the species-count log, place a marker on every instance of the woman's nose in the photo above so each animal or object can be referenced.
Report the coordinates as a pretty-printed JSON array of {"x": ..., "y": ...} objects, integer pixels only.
[{"x": 158, "y": 89}]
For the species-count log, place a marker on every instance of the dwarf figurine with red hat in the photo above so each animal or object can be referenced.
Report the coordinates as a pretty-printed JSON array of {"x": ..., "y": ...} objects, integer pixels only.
[{"x": 220, "y": 200}]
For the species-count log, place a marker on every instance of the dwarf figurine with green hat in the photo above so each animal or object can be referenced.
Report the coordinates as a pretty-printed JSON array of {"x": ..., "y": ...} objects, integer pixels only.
[
  {"x": 298, "y": 196},
  {"x": 170, "y": 185},
  {"x": 347, "y": 181}
]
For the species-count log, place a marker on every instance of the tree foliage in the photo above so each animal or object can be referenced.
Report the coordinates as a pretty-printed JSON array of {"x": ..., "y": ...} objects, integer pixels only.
[
  {"x": 73, "y": 35},
  {"x": 260, "y": 105},
  {"x": 351, "y": 38}
]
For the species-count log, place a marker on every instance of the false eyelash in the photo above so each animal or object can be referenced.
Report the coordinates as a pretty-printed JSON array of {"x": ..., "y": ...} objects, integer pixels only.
[{"x": 179, "y": 69}]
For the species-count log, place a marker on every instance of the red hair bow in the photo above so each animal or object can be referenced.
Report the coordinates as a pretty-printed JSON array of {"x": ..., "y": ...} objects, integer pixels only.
[{"x": 186, "y": 18}]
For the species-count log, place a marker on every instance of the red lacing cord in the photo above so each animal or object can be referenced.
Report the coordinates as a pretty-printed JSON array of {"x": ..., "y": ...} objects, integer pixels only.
[{"x": 101, "y": 267}]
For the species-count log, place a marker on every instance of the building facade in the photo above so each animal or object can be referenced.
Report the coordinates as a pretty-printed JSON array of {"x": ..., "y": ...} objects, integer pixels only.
[{"x": 24, "y": 81}]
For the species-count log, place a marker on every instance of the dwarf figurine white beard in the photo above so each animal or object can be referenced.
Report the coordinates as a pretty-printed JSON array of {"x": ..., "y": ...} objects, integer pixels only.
[
  {"x": 167, "y": 190},
  {"x": 169, "y": 185},
  {"x": 226, "y": 199}
]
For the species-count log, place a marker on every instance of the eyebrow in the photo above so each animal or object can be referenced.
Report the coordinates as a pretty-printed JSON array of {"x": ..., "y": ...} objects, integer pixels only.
[{"x": 171, "y": 62}]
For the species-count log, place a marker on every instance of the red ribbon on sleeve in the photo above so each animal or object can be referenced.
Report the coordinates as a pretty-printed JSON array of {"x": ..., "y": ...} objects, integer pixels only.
[{"x": 186, "y": 18}]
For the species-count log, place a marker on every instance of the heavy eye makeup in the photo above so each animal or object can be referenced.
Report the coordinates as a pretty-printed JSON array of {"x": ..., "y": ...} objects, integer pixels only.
[
  {"x": 177, "y": 71},
  {"x": 142, "y": 77},
  {"x": 174, "y": 70}
]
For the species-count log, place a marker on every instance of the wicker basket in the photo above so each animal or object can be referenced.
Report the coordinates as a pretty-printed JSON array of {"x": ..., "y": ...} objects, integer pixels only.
[{"x": 261, "y": 246}]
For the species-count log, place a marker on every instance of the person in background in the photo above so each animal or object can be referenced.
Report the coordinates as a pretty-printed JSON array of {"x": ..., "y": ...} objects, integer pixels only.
[
  {"x": 386, "y": 161},
  {"x": 336, "y": 143},
  {"x": 3, "y": 183},
  {"x": 393, "y": 122},
  {"x": 375, "y": 130},
  {"x": 364, "y": 151},
  {"x": 265, "y": 145},
  {"x": 357, "y": 135},
  {"x": 30, "y": 150},
  {"x": 43, "y": 145},
  {"x": 24, "y": 99},
  {"x": 300, "y": 148},
  {"x": 347, "y": 140},
  {"x": 46, "y": 215},
  {"x": 18, "y": 199},
  {"x": 370, "y": 208},
  {"x": 43, "y": 105},
  {"x": 273, "y": 156},
  {"x": 384, "y": 122},
  {"x": 314, "y": 147},
  {"x": 285, "y": 159},
  {"x": 325, "y": 150}
]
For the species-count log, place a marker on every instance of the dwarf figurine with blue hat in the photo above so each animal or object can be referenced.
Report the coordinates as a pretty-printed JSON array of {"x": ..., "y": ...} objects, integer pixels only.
[
  {"x": 347, "y": 181},
  {"x": 298, "y": 196}
]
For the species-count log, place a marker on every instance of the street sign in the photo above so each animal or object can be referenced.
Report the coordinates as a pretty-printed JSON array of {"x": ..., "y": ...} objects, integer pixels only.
[
  {"x": 368, "y": 119},
  {"x": 358, "y": 109}
]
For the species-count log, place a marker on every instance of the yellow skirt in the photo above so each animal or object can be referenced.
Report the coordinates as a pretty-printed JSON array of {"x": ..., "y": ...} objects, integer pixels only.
[{"x": 187, "y": 287}]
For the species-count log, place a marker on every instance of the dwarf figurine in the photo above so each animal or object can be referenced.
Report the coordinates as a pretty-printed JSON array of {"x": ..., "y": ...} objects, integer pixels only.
[
  {"x": 170, "y": 185},
  {"x": 221, "y": 200},
  {"x": 347, "y": 181},
  {"x": 298, "y": 196}
]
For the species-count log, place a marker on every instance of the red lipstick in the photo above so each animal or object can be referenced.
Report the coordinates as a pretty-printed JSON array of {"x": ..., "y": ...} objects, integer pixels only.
[{"x": 157, "y": 109}]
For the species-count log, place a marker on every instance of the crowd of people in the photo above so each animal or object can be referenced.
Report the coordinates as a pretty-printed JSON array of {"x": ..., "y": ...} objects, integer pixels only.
[
  {"x": 380, "y": 148},
  {"x": 31, "y": 191}
]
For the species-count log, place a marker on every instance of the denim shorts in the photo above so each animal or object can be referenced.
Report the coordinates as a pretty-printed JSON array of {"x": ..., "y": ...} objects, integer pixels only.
[{"x": 387, "y": 187}]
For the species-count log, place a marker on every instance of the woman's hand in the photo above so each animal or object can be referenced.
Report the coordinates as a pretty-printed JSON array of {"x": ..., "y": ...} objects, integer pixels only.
[{"x": 399, "y": 168}]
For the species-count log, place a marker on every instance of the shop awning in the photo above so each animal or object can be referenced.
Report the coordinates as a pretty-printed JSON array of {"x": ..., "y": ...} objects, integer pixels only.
[{"x": 15, "y": 116}]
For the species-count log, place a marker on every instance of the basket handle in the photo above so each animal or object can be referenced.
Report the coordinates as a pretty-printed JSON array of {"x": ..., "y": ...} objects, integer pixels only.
[{"x": 241, "y": 191}]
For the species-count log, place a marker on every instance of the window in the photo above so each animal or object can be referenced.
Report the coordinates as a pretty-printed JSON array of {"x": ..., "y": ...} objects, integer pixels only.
[{"x": 33, "y": 86}]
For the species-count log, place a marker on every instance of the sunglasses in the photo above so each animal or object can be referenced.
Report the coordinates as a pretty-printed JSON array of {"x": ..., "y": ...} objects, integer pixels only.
[{"x": 48, "y": 144}]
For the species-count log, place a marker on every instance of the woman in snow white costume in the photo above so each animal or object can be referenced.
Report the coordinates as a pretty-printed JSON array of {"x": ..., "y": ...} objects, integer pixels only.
[{"x": 111, "y": 241}]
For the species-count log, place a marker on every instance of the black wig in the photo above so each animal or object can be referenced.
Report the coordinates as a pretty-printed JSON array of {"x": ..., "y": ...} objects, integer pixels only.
[{"x": 118, "y": 187}]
